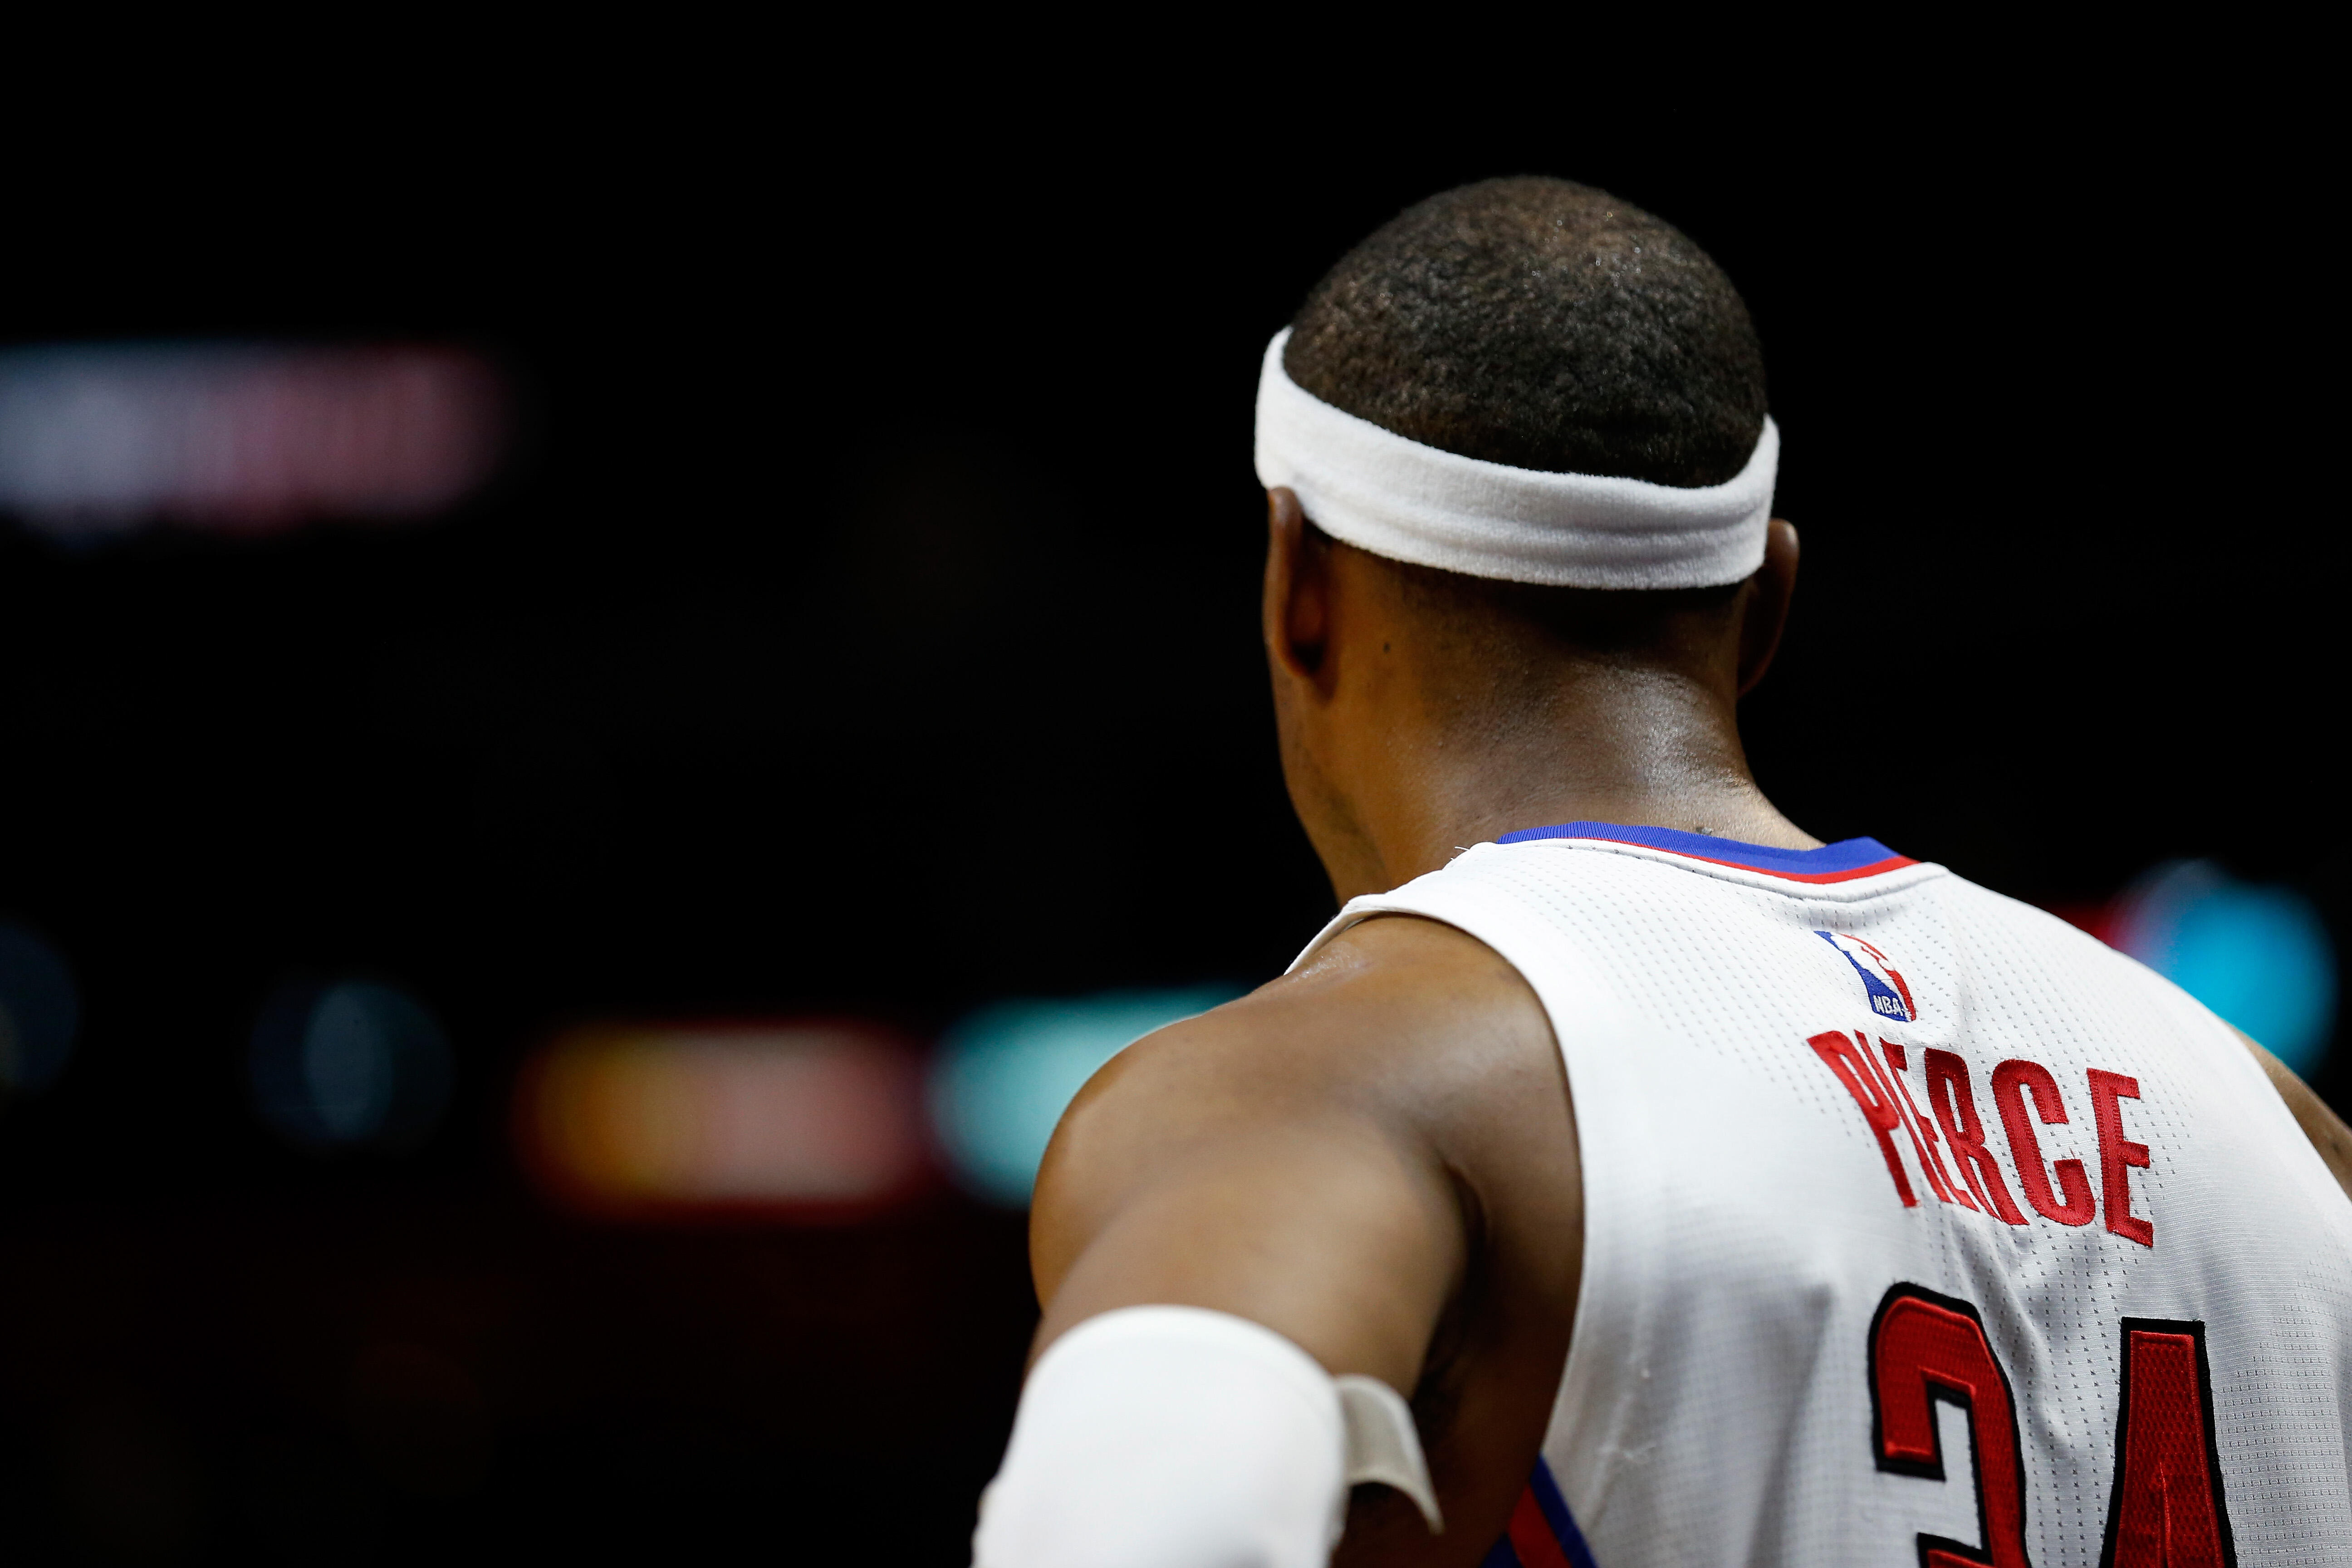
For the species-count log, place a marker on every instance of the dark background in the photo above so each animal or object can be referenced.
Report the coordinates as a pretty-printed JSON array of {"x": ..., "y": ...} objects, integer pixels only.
[{"x": 866, "y": 625}]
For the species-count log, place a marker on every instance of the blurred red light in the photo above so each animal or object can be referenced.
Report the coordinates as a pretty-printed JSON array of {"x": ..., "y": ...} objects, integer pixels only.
[
  {"x": 794, "y": 1120},
  {"x": 98, "y": 440}
]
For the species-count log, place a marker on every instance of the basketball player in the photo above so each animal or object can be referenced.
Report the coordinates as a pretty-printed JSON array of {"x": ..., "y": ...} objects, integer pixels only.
[{"x": 1718, "y": 1195}]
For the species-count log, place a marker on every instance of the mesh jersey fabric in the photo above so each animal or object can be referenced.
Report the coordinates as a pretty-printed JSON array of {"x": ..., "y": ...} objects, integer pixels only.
[{"x": 1763, "y": 1314}]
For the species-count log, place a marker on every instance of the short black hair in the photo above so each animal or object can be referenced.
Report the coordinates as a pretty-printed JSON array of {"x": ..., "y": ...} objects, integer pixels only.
[{"x": 1544, "y": 324}]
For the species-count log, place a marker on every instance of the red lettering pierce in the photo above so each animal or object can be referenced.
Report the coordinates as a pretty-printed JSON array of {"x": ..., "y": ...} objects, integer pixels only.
[
  {"x": 2116, "y": 1153},
  {"x": 1852, "y": 1069},
  {"x": 1955, "y": 1106},
  {"x": 1923, "y": 1131},
  {"x": 2010, "y": 1081}
]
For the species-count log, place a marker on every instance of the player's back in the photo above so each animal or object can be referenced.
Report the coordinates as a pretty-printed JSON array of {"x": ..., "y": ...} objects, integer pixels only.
[{"x": 1919, "y": 1225}]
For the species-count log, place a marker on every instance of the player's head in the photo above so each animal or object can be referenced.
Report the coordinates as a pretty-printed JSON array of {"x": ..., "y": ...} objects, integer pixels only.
[
  {"x": 1540, "y": 325},
  {"x": 1545, "y": 331}
]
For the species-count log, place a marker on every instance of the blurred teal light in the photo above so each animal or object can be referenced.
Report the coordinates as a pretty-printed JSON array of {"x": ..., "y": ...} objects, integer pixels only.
[
  {"x": 2259, "y": 956},
  {"x": 1006, "y": 1073},
  {"x": 349, "y": 1065}
]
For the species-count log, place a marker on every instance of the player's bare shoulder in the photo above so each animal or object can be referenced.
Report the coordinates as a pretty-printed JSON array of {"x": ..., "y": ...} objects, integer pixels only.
[
  {"x": 1435, "y": 1025},
  {"x": 1402, "y": 1023}
]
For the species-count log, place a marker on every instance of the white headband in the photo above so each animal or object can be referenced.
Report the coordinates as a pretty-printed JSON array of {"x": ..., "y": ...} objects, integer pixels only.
[{"x": 1395, "y": 497}]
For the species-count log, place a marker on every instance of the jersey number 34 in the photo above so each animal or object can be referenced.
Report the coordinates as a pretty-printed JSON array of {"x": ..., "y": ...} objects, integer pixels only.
[{"x": 2167, "y": 1510}]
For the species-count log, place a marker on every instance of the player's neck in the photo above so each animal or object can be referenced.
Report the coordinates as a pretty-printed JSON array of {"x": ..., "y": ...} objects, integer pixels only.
[{"x": 1608, "y": 742}]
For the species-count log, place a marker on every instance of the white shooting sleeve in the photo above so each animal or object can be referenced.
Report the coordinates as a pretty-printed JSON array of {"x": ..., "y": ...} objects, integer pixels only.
[{"x": 1179, "y": 1437}]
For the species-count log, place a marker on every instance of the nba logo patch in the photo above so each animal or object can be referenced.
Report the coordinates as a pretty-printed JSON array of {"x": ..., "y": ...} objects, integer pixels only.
[{"x": 1882, "y": 983}]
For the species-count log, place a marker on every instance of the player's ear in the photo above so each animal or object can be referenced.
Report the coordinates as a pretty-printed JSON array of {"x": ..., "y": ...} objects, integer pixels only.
[
  {"x": 1297, "y": 608},
  {"x": 1764, "y": 609}
]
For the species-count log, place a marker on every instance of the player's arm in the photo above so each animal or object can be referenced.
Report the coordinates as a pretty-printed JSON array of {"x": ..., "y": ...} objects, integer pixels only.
[
  {"x": 1229, "y": 1164},
  {"x": 1315, "y": 1160},
  {"x": 2321, "y": 1126}
]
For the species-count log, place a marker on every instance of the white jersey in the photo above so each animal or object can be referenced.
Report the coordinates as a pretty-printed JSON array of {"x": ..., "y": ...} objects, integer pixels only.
[{"x": 1920, "y": 1228}]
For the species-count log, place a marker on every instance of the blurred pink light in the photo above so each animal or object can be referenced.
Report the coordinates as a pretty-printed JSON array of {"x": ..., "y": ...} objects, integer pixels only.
[
  {"x": 807, "y": 1118},
  {"x": 97, "y": 440}
]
